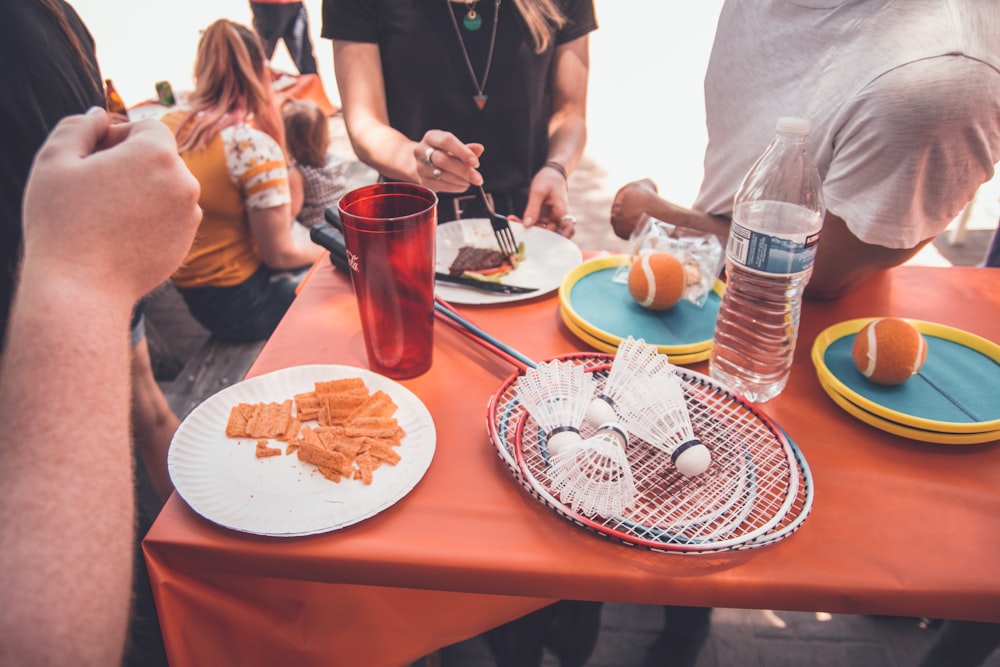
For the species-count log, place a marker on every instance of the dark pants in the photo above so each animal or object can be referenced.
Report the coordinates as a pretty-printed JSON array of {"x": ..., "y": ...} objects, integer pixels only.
[
  {"x": 246, "y": 312},
  {"x": 963, "y": 644},
  {"x": 993, "y": 253},
  {"x": 568, "y": 629},
  {"x": 685, "y": 630},
  {"x": 290, "y": 23}
]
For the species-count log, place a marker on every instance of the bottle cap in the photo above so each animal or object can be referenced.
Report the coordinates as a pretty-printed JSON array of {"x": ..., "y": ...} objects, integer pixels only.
[{"x": 791, "y": 125}]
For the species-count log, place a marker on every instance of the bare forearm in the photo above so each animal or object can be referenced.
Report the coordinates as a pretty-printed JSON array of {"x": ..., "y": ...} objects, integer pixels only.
[
  {"x": 567, "y": 139},
  {"x": 568, "y": 123},
  {"x": 358, "y": 68},
  {"x": 384, "y": 149},
  {"x": 696, "y": 220},
  {"x": 279, "y": 247},
  {"x": 639, "y": 198},
  {"x": 295, "y": 255},
  {"x": 44, "y": 454}
]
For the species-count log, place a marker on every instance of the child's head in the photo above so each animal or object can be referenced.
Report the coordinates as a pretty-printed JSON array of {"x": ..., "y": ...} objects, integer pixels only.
[{"x": 307, "y": 133}]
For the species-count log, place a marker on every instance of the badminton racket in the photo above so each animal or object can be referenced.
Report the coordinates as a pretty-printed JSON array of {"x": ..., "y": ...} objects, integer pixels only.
[
  {"x": 451, "y": 316},
  {"x": 757, "y": 491},
  {"x": 745, "y": 494}
]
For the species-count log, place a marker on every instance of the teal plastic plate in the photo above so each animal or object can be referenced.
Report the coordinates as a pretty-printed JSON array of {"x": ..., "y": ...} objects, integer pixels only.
[
  {"x": 605, "y": 309},
  {"x": 955, "y": 392}
]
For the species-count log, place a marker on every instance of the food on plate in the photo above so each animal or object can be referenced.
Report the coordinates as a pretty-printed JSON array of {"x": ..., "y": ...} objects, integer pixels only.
[
  {"x": 657, "y": 280},
  {"x": 484, "y": 263},
  {"x": 355, "y": 430},
  {"x": 259, "y": 420},
  {"x": 889, "y": 351},
  {"x": 264, "y": 450}
]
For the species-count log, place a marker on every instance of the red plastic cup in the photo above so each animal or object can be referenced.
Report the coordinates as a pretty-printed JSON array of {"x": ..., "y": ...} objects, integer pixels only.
[{"x": 389, "y": 233}]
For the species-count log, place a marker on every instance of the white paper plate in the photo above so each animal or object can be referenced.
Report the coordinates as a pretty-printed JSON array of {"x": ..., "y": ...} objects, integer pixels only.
[
  {"x": 548, "y": 257},
  {"x": 223, "y": 481}
]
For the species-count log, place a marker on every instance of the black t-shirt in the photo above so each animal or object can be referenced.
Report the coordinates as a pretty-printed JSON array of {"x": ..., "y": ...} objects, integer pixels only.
[
  {"x": 43, "y": 80},
  {"x": 428, "y": 84}
]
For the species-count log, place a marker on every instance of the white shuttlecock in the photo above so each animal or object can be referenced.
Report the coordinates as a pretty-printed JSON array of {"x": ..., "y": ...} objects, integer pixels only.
[
  {"x": 634, "y": 360},
  {"x": 593, "y": 476},
  {"x": 655, "y": 410},
  {"x": 556, "y": 395}
]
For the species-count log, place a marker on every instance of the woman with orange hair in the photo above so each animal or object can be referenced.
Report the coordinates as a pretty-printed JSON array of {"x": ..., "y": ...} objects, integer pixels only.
[{"x": 234, "y": 279}]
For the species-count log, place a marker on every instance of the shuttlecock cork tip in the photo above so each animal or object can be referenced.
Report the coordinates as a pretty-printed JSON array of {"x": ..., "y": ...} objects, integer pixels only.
[
  {"x": 692, "y": 458},
  {"x": 561, "y": 438},
  {"x": 601, "y": 410}
]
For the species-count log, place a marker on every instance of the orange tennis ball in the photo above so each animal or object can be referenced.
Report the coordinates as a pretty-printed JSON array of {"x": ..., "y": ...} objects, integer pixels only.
[
  {"x": 889, "y": 351},
  {"x": 657, "y": 280}
]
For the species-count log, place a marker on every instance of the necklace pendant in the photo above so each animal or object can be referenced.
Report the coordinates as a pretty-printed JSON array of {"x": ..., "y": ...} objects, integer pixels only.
[
  {"x": 472, "y": 21},
  {"x": 480, "y": 100}
]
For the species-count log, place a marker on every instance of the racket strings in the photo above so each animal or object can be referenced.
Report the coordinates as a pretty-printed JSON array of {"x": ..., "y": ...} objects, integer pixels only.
[{"x": 757, "y": 491}]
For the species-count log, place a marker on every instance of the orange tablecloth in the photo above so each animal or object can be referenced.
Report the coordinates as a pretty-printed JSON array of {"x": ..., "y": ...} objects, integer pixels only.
[{"x": 899, "y": 527}]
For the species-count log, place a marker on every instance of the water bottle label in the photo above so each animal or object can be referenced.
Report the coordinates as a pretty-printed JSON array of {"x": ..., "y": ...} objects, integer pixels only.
[{"x": 770, "y": 253}]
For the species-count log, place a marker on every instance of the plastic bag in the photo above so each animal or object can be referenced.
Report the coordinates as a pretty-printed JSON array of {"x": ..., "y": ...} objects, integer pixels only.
[{"x": 700, "y": 253}]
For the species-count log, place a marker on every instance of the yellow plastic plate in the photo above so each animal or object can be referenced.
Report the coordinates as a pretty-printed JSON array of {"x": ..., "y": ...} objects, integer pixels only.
[
  {"x": 612, "y": 348},
  {"x": 604, "y": 309},
  {"x": 955, "y": 391},
  {"x": 901, "y": 430}
]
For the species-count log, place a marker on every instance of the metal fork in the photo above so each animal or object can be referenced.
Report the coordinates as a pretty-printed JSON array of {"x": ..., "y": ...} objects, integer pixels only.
[{"x": 501, "y": 228}]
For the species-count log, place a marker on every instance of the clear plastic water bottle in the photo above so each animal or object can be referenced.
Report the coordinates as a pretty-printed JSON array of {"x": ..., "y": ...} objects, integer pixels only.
[{"x": 777, "y": 216}]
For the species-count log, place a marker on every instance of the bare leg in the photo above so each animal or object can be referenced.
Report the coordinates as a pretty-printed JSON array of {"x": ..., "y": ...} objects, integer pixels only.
[{"x": 153, "y": 422}]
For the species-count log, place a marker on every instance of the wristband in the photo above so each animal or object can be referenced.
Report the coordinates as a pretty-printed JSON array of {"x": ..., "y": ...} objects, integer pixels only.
[{"x": 552, "y": 164}]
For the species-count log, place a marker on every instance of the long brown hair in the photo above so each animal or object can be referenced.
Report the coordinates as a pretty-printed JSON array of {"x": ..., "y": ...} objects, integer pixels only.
[
  {"x": 307, "y": 132},
  {"x": 232, "y": 85},
  {"x": 544, "y": 18}
]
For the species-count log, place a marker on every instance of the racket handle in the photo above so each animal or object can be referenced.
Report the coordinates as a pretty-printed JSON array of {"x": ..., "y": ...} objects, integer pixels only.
[{"x": 481, "y": 337}]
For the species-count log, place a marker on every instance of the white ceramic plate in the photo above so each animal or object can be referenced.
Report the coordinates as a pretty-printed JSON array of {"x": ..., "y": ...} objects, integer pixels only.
[
  {"x": 548, "y": 257},
  {"x": 223, "y": 481}
]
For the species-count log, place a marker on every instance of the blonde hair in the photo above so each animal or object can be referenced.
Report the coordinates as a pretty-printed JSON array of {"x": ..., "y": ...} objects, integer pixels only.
[
  {"x": 544, "y": 18},
  {"x": 306, "y": 132},
  {"x": 232, "y": 85}
]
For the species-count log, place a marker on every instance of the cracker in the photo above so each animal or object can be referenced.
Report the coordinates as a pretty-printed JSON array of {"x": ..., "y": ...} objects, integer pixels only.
[
  {"x": 372, "y": 427},
  {"x": 320, "y": 456},
  {"x": 291, "y": 431},
  {"x": 307, "y": 406},
  {"x": 336, "y": 408},
  {"x": 382, "y": 450},
  {"x": 379, "y": 404},
  {"x": 343, "y": 385},
  {"x": 263, "y": 420},
  {"x": 355, "y": 434},
  {"x": 264, "y": 451},
  {"x": 236, "y": 427},
  {"x": 366, "y": 465},
  {"x": 331, "y": 474}
]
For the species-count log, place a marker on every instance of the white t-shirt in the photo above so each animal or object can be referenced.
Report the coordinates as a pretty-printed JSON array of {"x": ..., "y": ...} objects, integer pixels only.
[{"x": 903, "y": 98}]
